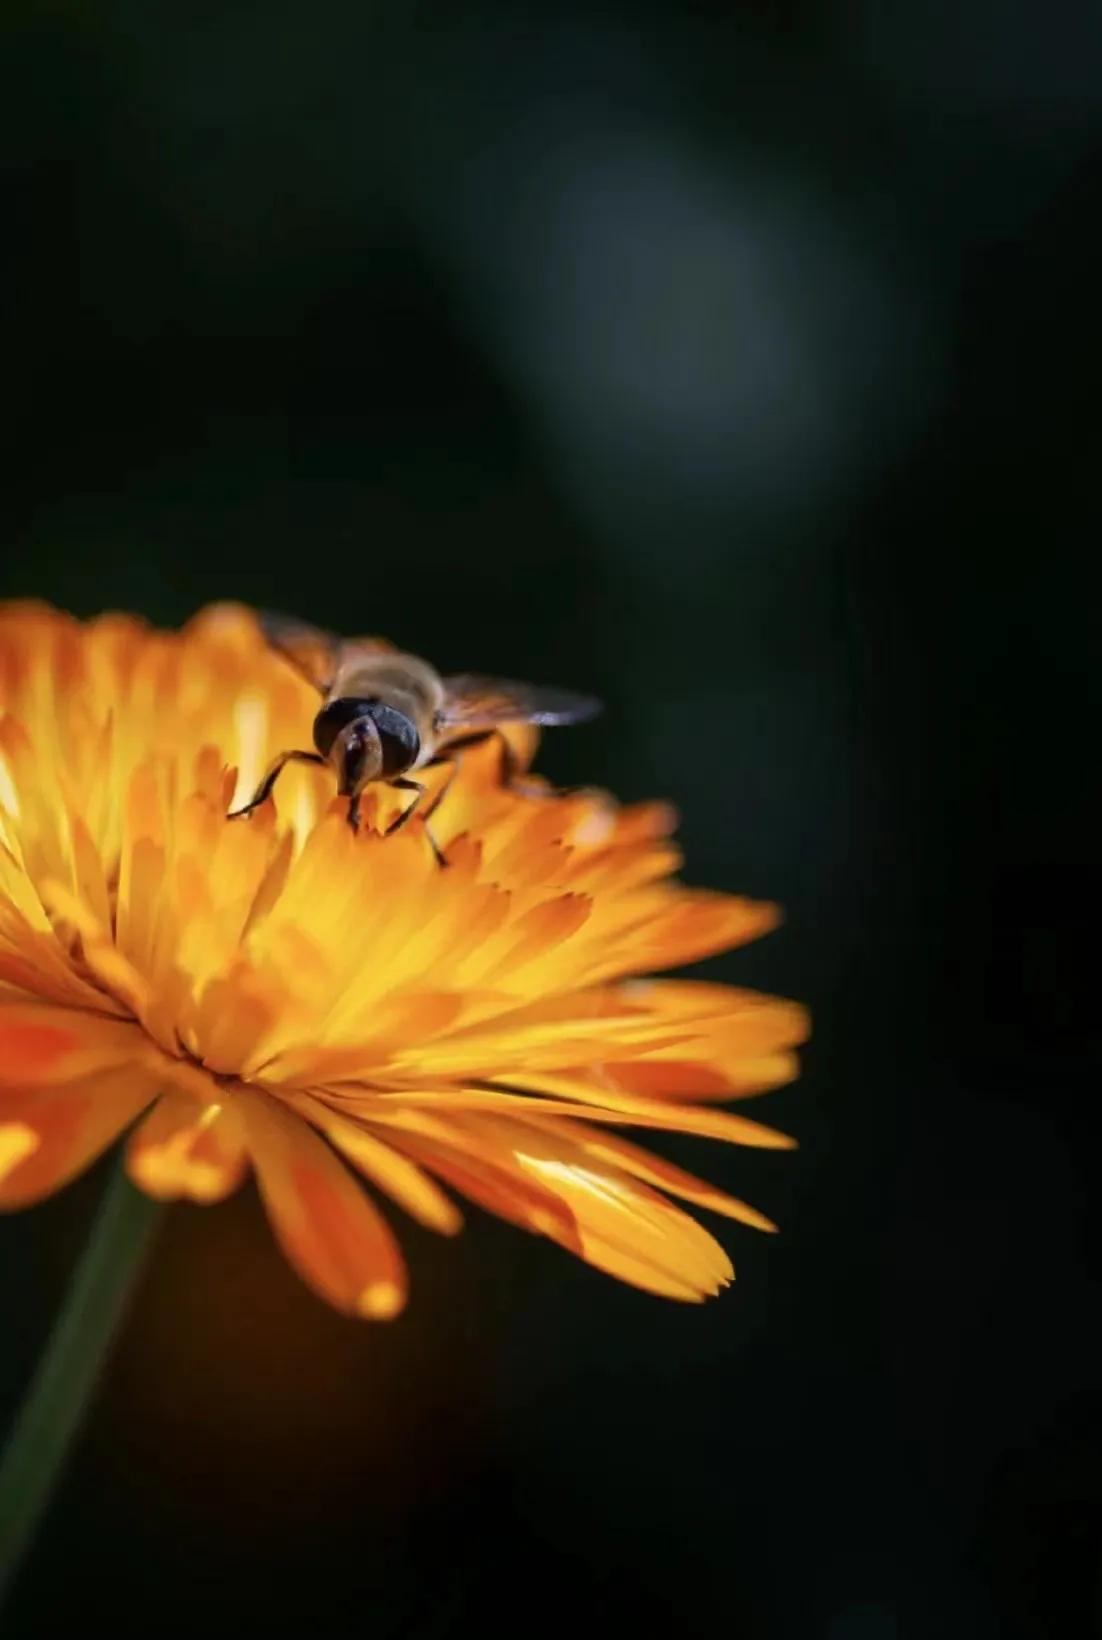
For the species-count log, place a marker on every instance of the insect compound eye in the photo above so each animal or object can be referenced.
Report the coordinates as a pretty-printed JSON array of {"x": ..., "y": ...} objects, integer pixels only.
[
  {"x": 400, "y": 741},
  {"x": 336, "y": 715}
]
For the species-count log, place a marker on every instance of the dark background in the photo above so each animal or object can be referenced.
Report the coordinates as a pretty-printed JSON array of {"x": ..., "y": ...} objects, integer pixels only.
[{"x": 738, "y": 362}]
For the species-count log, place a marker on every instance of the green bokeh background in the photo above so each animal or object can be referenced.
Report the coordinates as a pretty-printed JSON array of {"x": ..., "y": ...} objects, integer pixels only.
[{"x": 736, "y": 363}]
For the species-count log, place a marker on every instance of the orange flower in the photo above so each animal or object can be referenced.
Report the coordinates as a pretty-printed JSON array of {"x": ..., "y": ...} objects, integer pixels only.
[{"x": 284, "y": 995}]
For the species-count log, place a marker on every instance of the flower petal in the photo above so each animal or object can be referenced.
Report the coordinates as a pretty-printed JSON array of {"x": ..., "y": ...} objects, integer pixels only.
[
  {"x": 616, "y": 1110},
  {"x": 615, "y": 1222},
  {"x": 323, "y": 1221},
  {"x": 41, "y": 1045},
  {"x": 492, "y": 1181},
  {"x": 386, "y": 1167},
  {"x": 50, "y": 1134},
  {"x": 184, "y": 1149},
  {"x": 657, "y": 1171},
  {"x": 626, "y": 1228}
]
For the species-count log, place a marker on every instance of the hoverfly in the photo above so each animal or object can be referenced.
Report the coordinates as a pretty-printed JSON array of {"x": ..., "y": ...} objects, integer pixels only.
[{"x": 385, "y": 714}]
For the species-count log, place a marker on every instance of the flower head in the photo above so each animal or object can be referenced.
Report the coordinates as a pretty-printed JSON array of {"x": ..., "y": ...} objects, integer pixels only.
[{"x": 284, "y": 995}]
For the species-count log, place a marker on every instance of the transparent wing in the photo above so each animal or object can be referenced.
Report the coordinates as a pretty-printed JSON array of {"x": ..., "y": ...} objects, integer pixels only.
[
  {"x": 474, "y": 702},
  {"x": 314, "y": 653}
]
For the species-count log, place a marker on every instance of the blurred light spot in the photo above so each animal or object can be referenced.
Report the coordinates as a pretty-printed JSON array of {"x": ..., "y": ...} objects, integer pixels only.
[{"x": 690, "y": 336}]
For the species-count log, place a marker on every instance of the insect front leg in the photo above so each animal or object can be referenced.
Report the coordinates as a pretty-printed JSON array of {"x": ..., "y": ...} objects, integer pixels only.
[
  {"x": 396, "y": 825},
  {"x": 272, "y": 774}
]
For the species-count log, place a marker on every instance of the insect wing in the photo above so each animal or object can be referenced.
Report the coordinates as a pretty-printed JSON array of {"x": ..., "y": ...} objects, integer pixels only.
[
  {"x": 314, "y": 653},
  {"x": 474, "y": 702}
]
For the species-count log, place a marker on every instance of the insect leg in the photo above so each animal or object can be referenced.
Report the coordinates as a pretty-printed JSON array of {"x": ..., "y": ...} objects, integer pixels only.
[
  {"x": 396, "y": 825},
  {"x": 405, "y": 785},
  {"x": 274, "y": 770},
  {"x": 445, "y": 788}
]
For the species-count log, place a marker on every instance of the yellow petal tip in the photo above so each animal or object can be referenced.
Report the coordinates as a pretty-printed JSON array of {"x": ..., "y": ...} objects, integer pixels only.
[
  {"x": 17, "y": 1142},
  {"x": 381, "y": 1301}
]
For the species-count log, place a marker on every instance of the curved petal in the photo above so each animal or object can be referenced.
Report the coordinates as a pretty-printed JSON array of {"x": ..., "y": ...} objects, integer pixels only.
[
  {"x": 626, "y": 1228},
  {"x": 184, "y": 1149},
  {"x": 451, "y": 1152},
  {"x": 657, "y": 1171},
  {"x": 615, "y": 1110},
  {"x": 50, "y": 1134},
  {"x": 325, "y": 1224},
  {"x": 613, "y": 1221},
  {"x": 386, "y": 1167}
]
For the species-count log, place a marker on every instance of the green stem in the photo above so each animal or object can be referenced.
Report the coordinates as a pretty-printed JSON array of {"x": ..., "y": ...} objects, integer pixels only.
[{"x": 55, "y": 1403}]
